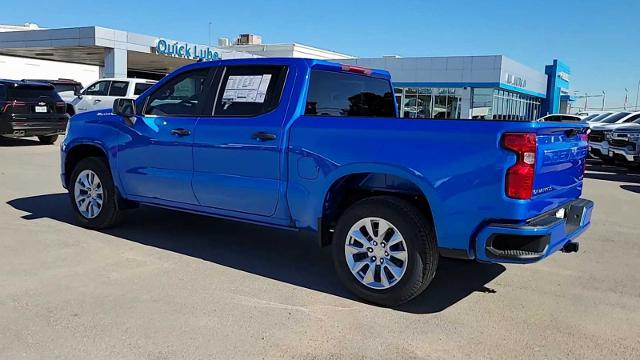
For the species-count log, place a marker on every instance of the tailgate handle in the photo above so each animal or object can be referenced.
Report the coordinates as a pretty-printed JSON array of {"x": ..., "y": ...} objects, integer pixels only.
[{"x": 571, "y": 132}]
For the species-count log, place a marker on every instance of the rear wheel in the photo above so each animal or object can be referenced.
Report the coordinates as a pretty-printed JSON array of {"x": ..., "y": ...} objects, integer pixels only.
[
  {"x": 384, "y": 250},
  {"x": 93, "y": 195},
  {"x": 48, "y": 139}
]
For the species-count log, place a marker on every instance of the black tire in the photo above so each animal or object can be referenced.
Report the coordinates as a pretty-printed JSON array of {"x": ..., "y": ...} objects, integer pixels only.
[
  {"x": 48, "y": 139},
  {"x": 420, "y": 239},
  {"x": 110, "y": 213}
]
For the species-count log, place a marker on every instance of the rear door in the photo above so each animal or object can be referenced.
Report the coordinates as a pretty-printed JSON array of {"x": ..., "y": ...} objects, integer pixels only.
[
  {"x": 237, "y": 148},
  {"x": 118, "y": 89},
  {"x": 157, "y": 161}
]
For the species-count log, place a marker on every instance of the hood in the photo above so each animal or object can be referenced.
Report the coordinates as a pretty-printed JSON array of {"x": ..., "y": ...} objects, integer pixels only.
[
  {"x": 605, "y": 126},
  {"x": 624, "y": 128}
]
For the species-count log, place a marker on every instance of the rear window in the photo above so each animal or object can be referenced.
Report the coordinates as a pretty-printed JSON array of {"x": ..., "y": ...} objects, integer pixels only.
[
  {"x": 343, "y": 94},
  {"x": 30, "y": 92},
  {"x": 140, "y": 88}
]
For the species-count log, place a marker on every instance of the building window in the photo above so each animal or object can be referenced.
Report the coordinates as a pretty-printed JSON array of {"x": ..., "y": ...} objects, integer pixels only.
[{"x": 429, "y": 103}]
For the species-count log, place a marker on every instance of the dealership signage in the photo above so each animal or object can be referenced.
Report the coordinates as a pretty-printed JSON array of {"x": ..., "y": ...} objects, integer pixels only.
[
  {"x": 186, "y": 50},
  {"x": 563, "y": 75},
  {"x": 516, "y": 81}
]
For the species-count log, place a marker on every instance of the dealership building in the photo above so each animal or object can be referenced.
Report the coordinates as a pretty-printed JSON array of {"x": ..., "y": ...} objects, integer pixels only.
[{"x": 485, "y": 87}]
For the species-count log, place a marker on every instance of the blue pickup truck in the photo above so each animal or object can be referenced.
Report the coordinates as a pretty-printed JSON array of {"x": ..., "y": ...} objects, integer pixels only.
[{"x": 318, "y": 148}]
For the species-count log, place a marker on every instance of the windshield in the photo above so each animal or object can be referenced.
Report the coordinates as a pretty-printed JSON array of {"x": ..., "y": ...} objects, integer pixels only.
[
  {"x": 614, "y": 118},
  {"x": 592, "y": 116},
  {"x": 600, "y": 117}
]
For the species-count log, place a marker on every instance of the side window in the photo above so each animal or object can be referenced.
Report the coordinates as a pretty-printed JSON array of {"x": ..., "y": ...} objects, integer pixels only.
[
  {"x": 180, "y": 96},
  {"x": 101, "y": 88},
  {"x": 344, "y": 94},
  {"x": 141, "y": 87},
  {"x": 118, "y": 88},
  {"x": 250, "y": 90}
]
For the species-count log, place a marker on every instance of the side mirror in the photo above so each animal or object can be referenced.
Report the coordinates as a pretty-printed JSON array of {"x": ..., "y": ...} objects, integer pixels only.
[
  {"x": 124, "y": 107},
  {"x": 77, "y": 91}
]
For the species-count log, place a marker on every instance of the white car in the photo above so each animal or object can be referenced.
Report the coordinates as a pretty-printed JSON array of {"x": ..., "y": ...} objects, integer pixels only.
[
  {"x": 102, "y": 93},
  {"x": 560, "y": 117}
]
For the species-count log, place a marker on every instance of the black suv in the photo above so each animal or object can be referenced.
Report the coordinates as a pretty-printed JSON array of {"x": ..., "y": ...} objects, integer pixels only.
[
  {"x": 31, "y": 109},
  {"x": 68, "y": 89}
]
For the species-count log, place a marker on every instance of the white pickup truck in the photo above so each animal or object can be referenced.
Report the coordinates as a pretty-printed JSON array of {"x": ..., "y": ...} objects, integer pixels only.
[{"x": 102, "y": 93}]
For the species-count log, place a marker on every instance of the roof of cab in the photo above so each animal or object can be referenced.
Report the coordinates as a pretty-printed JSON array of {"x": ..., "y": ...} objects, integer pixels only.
[{"x": 324, "y": 64}]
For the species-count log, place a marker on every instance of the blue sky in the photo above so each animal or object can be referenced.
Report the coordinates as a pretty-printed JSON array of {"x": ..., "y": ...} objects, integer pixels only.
[{"x": 599, "y": 40}]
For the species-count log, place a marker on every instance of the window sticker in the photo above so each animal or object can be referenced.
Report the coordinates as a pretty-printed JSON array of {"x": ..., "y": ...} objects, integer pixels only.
[{"x": 246, "y": 88}]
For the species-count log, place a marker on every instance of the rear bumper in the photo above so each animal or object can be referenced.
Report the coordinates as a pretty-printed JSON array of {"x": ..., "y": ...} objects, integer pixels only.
[
  {"x": 35, "y": 127},
  {"x": 623, "y": 154},
  {"x": 535, "y": 239}
]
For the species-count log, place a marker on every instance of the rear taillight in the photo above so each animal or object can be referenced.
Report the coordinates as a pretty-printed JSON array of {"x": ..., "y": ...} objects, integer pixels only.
[
  {"x": 356, "y": 69},
  {"x": 585, "y": 137},
  {"x": 61, "y": 106},
  {"x": 10, "y": 105},
  {"x": 519, "y": 181}
]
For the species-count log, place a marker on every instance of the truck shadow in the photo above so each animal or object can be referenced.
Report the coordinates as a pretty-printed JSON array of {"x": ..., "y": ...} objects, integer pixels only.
[
  {"x": 276, "y": 254},
  {"x": 12, "y": 142},
  {"x": 600, "y": 171},
  {"x": 632, "y": 188}
]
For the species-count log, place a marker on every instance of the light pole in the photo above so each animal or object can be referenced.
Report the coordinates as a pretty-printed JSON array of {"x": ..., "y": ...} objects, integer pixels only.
[
  {"x": 586, "y": 99},
  {"x": 637, "y": 93},
  {"x": 626, "y": 97},
  {"x": 604, "y": 95},
  {"x": 209, "y": 33}
]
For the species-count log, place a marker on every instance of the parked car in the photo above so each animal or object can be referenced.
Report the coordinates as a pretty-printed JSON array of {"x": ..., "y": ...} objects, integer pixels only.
[
  {"x": 318, "y": 148},
  {"x": 67, "y": 89},
  {"x": 624, "y": 143},
  {"x": 598, "y": 117},
  {"x": 31, "y": 109},
  {"x": 598, "y": 145},
  {"x": 560, "y": 117},
  {"x": 100, "y": 94}
]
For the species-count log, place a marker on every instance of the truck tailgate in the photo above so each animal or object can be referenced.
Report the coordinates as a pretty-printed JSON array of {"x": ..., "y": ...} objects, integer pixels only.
[{"x": 561, "y": 157}]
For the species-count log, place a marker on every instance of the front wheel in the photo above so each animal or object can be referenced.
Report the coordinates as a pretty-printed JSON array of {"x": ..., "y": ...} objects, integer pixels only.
[
  {"x": 384, "y": 250},
  {"x": 48, "y": 139},
  {"x": 93, "y": 195}
]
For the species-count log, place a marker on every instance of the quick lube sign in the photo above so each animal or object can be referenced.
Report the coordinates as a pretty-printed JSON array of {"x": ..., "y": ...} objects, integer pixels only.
[{"x": 186, "y": 50}]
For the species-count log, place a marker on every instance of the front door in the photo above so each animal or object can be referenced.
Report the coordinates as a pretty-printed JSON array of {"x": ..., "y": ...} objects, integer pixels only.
[
  {"x": 92, "y": 97},
  {"x": 157, "y": 161},
  {"x": 237, "y": 149}
]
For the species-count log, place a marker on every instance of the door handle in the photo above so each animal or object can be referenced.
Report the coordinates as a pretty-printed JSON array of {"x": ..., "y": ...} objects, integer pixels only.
[
  {"x": 180, "y": 132},
  {"x": 263, "y": 136},
  {"x": 97, "y": 100}
]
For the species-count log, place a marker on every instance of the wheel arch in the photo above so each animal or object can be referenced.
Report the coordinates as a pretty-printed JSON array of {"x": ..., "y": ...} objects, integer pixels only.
[
  {"x": 350, "y": 184},
  {"x": 79, "y": 151}
]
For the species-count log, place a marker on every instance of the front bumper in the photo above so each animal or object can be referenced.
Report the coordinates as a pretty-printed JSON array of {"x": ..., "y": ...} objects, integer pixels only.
[
  {"x": 536, "y": 238},
  {"x": 599, "y": 149},
  {"x": 620, "y": 153}
]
